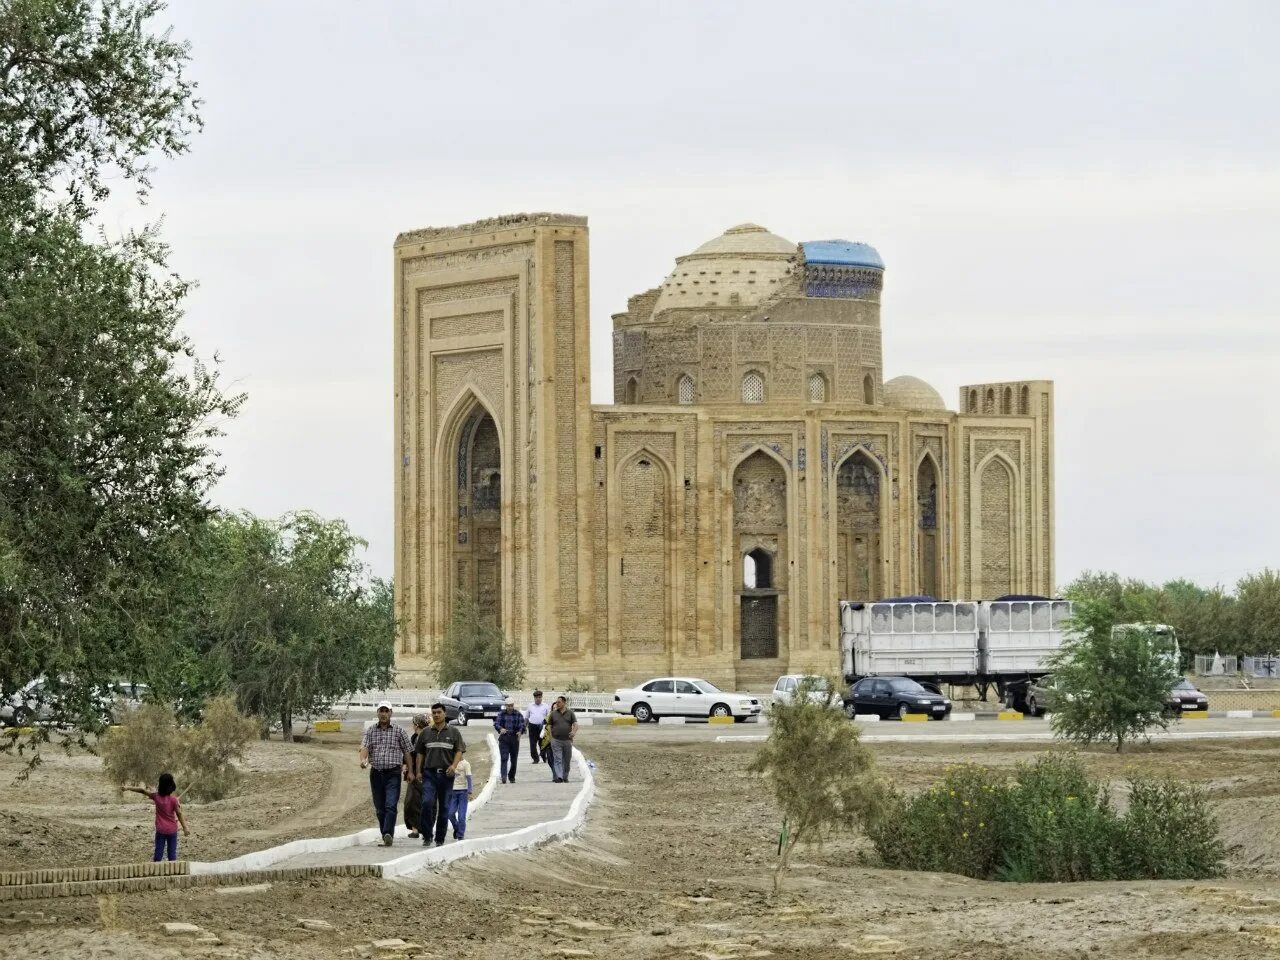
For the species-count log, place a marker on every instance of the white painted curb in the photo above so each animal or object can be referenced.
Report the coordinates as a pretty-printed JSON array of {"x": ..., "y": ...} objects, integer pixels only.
[
  {"x": 261, "y": 859},
  {"x": 1239, "y": 714},
  {"x": 670, "y": 720},
  {"x": 867, "y": 718},
  {"x": 524, "y": 837},
  {"x": 961, "y": 717}
]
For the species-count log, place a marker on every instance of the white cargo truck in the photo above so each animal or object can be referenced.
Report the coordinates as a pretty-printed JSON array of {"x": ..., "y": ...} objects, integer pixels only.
[{"x": 1004, "y": 644}]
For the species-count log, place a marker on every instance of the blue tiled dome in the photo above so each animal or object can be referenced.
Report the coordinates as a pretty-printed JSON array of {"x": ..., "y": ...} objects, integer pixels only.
[{"x": 844, "y": 253}]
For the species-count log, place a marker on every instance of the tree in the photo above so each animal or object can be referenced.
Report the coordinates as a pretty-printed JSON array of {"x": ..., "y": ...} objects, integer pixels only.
[
  {"x": 1205, "y": 619},
  {"x": 1113, "y": 685},
  {"x": 822, "y": 775},
  {"x": 1258, "y": 602},
  {"x": 106, "y": 452},
  {"x": 294, "y": 621},
  {"x": 1133, "y": 601},
  {"x": 475, "y": 648}
]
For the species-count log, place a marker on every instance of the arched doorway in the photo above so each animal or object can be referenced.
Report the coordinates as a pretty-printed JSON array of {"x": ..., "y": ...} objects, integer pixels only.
[
  {"x": 859, "y": 557},
  {"x": 928, "y": 553},
  {"x": 475, "y": 538},
  {"x": 760, "y": 536}
]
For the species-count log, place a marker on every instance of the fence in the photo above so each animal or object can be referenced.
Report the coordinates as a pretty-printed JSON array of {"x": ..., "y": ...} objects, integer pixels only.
[
  {"x": 1216, "y": 666},
  {"x": 1268, "y": 666}
]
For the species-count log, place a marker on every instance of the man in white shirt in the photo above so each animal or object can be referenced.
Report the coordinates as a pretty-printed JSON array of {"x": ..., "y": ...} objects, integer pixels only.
[{"x": 536, "y": 715}]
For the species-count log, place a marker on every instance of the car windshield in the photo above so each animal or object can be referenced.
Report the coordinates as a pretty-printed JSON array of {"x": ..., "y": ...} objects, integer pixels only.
[
  {"x": 817, "y": 684},
  {"x": 904, "y": 685},
  {"x": 1184, "y": 685},
  {"x": 480, "y": 690},
  {"x": 706, "y": 687}
]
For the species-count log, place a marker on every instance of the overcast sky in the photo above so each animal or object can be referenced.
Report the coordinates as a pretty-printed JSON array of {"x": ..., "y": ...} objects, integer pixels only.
[{"x": 1079, "y": 192}]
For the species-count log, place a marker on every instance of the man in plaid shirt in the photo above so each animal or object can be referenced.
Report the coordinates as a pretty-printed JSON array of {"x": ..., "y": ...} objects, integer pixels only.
[
  {"x": 510, "y": 726},
  {"x": 385, "y": 749}
]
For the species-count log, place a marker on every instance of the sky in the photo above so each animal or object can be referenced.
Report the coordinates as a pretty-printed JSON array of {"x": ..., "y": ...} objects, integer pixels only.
[{"x": 1085, "y": 192}]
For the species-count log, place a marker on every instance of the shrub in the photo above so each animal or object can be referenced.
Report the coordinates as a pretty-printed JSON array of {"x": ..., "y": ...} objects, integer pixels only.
[
  {"x": 208, "y": 752},
  {"x": 822, "y": 775},
  {"x": 475, "y": 648},
  {"x": 1049, "y": 821},
  {"x": 201, "y": 758},
  {"x": 577, "y": 686},
  {"x": 145, "y": 744}
]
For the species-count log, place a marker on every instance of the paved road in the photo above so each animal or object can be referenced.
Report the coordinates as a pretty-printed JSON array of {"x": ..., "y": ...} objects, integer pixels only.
[{"x": 533, "y": 798}]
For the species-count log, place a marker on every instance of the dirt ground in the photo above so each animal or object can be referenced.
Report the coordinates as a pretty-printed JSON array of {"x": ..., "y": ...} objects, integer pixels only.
[
  {"x": 674, "y": 863},
  {"x": 64, "y": 814}
]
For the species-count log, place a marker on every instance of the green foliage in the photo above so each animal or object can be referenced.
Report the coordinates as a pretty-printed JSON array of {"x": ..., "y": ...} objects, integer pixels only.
[
  {"x": 106, "y": 442},
  {"x": 292, "y": 620},
  {"x": 90, "y": 91},
  {"x": 1258, "y": 597},
  {"x": 475, "y": 648},
  {"x": 202, "y": 757},
  {"x": 1049, "y": 822},
  {"x": 1113, "y": 685},
  {"x": 822, "y": 776},
  {"x": 577, "y": 686}
]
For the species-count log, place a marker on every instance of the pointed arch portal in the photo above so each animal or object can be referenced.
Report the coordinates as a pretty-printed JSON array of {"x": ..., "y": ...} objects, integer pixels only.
[
  {"x": 475, "y": 522},
  {"x": 859, "y": 554}
]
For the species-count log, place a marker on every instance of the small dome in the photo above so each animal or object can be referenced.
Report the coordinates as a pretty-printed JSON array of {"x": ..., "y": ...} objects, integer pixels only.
[
  {"x": 842, "y": 253},
  {"x": 745, "y": 238},
  {"x": 911, "y": 393},
  {"x": 741, "y": 268}
]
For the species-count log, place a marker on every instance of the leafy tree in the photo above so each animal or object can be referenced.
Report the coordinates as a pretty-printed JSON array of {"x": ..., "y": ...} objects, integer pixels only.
[
  {"x": 106, "y": 452},
  {"x": 822, "y": 775},
  {"x": 1258, "y": 600},
  {"x": 294, "y": 621},
  {"x": 1132, "y": 600},
  {"x": 89, "y": 92},
  {"x": 1113, "y": 684},
  {"x": 1205, "y": 618},
  {"x": 475, "y": 648}
]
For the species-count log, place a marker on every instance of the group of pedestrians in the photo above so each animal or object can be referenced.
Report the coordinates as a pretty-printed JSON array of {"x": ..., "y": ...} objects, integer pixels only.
[{"x": 432, "y": 762}]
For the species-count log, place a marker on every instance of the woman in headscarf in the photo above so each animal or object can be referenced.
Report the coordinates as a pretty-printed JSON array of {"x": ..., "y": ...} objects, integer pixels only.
[{"x": 413, "y": 796}]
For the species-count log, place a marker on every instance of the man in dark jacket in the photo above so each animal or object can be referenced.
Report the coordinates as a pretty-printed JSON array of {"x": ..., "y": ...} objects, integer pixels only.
[{"x": 510, "y": 725}]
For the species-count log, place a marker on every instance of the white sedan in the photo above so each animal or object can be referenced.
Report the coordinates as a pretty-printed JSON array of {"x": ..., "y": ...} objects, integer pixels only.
[{"x": 683, "y": 697}]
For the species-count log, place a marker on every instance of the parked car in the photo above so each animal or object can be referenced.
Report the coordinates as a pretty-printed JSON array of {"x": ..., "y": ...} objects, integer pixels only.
[
  {"x": 1186, "y": 696},
  {"x": 683, "y": 697},
  {"x": 455, "y": 711},
  {"x": 784, "y": 691},
  {"x": 26, "y": 705},
  {"x": 894, "y": 697},
  {"x": 479, "y": 699}
]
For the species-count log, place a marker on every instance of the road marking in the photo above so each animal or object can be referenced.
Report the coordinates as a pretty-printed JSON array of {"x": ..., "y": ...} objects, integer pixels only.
[{"x": 1016, "y": 737}]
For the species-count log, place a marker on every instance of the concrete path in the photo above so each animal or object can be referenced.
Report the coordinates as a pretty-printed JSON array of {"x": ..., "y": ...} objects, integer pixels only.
[{"x": 532, "y": 799}]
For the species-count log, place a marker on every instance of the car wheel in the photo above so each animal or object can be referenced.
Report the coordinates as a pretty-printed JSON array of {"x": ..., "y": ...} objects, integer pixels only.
[
  {"x": 1032, "y": 709},
  {"x": 22, "y": 716},
  {"x": 721, "y": 710},
  {"x": 642, "y": 713},
  {"x": 462, "y": 719},
  {"x": 851, "y": 710},
  {"x": 902, "y": 711}
]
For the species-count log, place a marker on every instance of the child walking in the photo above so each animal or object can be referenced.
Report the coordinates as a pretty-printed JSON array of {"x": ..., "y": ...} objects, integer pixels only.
[
  {"x": 458, "y": 801},
  {"x": 168, "y": 816}
]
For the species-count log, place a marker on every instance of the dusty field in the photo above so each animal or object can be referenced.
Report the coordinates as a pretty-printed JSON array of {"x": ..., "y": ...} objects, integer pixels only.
[
  {"x": 674, "y": 864},
  {"x": 64, "y": 814}
]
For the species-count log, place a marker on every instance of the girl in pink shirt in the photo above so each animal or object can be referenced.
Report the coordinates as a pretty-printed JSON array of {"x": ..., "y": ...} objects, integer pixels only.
[{"x": 168, "y": 815}]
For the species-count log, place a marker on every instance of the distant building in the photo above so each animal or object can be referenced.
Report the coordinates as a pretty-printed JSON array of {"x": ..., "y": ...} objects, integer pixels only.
[{"x": 755, "y": 467}]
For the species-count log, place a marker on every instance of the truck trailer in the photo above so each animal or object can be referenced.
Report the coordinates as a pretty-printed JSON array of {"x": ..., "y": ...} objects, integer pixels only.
[{"x": 987, "y": 644}]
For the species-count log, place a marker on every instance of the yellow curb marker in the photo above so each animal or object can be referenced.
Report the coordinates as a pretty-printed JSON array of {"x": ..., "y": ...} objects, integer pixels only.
[
  {"x": 622, "y": 721},
  {"x": 1195, "y": 714},
  {"x": 328, "y": 726},
  {"x": 1008, "y": 715},
  {"x": 916, "y": 717},
  {"x": 719, "y": 719}
]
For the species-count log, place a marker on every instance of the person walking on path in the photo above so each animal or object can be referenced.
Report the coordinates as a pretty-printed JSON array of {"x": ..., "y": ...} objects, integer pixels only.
[
  {"x": 413, "y": 795},
  {"x": 436, "y": 758},
  {"x": 385, "y": 750},
  {"x": 535, "y": 716},
  {"x": 168, "y": 816},
  {"x": 510, "y": 725},
  {"x": 564, "y": 727},
  {"x": 458, "y": 799}
]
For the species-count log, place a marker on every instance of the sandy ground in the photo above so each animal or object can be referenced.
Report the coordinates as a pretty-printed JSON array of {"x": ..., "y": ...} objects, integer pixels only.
[
  {"x": 65, "y": 814},
  {"x": 674, "y": 863}
]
